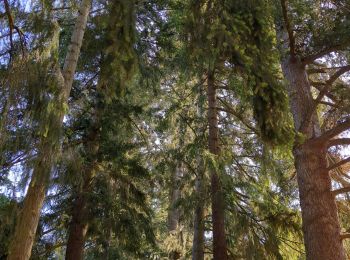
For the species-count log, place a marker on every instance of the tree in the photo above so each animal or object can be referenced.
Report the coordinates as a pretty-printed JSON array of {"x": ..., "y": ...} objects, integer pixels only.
[
  {"x": 49, "y": 144},
  {"x": 321, "y": 225}
]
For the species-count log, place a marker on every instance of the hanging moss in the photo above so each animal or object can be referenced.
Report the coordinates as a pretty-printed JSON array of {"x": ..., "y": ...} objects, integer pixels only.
[
  {"x": 241, "y": 33},
  {"x": 120, "y": 62}
]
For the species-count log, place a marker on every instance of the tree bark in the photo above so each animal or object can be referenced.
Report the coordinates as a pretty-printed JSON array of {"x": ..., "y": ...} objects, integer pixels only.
[
  {"x": 321, "y": 226},
  {"x": 79, "y": 223},
  {"x": 199, "y": 215},
  {"x": 174, "y": 212},
  {"x": 80, "y": 212},
  {"x": 24, "y": 235},
  {"x": 22, "y": 242},
  {"x": 217, "y": 200}
]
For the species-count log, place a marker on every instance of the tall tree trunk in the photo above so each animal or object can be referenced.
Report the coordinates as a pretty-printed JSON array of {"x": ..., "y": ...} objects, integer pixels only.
[
  {"x": 78, "y": 228},
  {"x": 80, "y": 212},
  {"x": 200, "y": 188},
  {"x": 22, "y": 242},
  {"x": 321, "y": 226},
  {"x": 80, "y": 216},
  {"x": 24, "y": 236},
  {"x": 199, "y": 215},
  {"x": 174, "y": 212},
  {"x": 175, "y": 193},
  {"x": 217, "y": 200}
]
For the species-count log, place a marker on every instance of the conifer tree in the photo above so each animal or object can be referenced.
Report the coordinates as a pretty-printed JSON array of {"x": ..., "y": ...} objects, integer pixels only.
[
  {"x": 49, "y": 144},
  {"x": 301, "y": 50}
]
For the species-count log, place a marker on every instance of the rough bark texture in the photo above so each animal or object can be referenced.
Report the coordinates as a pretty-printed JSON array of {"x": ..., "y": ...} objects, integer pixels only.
[
  {"x": 78, "y": 229},
  {"x": 23, "y": 239},
  {"x": 217, "y": 200},
  {"x": 74, "y": 47},
  {"x": 24, "y": 236},
  {"x": 319, "y": 211}
]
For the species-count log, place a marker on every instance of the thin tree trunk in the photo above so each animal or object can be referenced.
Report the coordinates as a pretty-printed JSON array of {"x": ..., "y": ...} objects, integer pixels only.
[
  {"x": 199, "y": 215},
  {"x": 77, "y": 229},
  {"x": 217, "y": 200},
  {"x": 79, "y": 223},
  {"x": 80, "y": 212},
  {"x": 24, "y": 235},
  {"x": 174, "y": 212},
  {"x": 200, "y": 188},
  {"x": 321, "y": 226},
  {"x": 175, "y": 194}
]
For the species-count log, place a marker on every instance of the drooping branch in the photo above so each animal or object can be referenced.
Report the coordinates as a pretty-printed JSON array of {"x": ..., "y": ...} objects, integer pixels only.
[
  {"x": 338, "y": 164},
  {"x": 288, "y": 28},
  {"x": 339, "y": 141}
]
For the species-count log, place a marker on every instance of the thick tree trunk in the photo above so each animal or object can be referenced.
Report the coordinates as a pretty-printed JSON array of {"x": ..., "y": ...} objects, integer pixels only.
[
  {"x": 24, "y": 236},
  {"x": 217, "y": 200},
  {"x": 319, "y": 211},
  {"x": 199, "y": 215}
]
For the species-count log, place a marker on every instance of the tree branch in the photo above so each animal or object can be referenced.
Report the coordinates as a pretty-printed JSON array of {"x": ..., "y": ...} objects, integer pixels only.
[
  {"x": 323, "y": 92},
  {"x": 344, "y": 236},
  {"x": 341, "y": 190},
  {"x": 311, "y": 58},
  {"x": 338, "y": 129},
  {"x": 231, "y": 111},
  {"x": 10, "y": 20},
  {"x": 288, "y": 28},
  {"x": 340, "y": 163},
  {"x": 339, "y": 141}
]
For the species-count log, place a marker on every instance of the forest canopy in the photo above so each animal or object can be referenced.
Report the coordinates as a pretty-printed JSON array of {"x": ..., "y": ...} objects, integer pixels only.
[{"x": 194, "y": 129}]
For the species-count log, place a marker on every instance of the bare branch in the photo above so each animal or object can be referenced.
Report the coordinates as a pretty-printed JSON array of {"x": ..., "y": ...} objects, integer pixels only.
[
  {"x": 321, "y": 95},
  {"x": 338, "y": 164},
  {"x": 338, "y": 129},
  {"x": 311, "y": 58},
  {"x": 318, "y": 85},
  {"x": 328, "y": 104},
  {"x": 10, "y": 20},
  {"x": 344, "y": 236},
  {"x": 339, "y": 141},
  {"x": 341, "y": 190}
]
